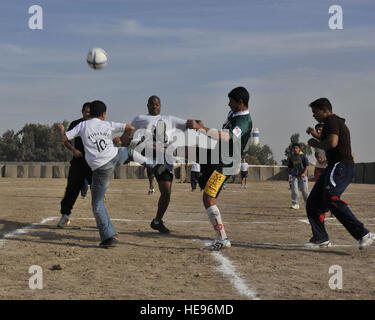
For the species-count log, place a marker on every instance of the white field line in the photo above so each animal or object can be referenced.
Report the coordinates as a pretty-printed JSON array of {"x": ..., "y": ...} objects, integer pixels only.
[
  {"x": 337, "y": 224},
  {"x": 24, "y": 230},
  {"x": 292, "y": 245},
  {"x": 227, "y": 268}
]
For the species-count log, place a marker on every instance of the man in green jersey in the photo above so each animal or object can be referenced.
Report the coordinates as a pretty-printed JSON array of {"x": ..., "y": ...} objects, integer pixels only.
[{"x": 224, "y": 160}]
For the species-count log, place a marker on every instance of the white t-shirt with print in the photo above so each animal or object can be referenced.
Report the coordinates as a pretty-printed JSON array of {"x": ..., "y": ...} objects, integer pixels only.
[
  {"x": 195, "y": 167},
  {"x": 244, "y": 166},
  {"x": 96, "y": 136},
  {"x": 148, "y": 122}
]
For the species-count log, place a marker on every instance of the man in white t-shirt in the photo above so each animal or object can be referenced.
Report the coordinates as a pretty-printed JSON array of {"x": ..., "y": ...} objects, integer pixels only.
[
  {"x": 195, "y": 173},
  {"x": 244, "y": 173},
  {"x": 148, "y": 129},
  {"x": 103, "y": 157}
]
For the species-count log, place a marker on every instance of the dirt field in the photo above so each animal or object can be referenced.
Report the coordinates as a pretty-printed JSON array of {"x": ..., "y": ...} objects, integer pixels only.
[{"x": 266, "y": 260}]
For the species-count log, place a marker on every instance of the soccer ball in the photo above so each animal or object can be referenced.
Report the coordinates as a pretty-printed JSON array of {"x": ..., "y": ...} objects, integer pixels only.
[{"x": 97, "y": 58}]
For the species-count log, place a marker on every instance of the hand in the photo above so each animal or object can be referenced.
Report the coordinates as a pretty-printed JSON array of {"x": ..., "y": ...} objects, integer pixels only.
[
  {"x": 313, "y": 143},
  {"x": 194, "y": 124},
  {"x": 61, "y": 128},
  {"x": 310, "y": 130},
  {"x": 116, "y": 141},
  {"x": 77, "y": 154}
]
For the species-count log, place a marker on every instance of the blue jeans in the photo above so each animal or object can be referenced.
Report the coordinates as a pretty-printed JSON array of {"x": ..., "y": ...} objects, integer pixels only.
[
  {"x": 326, "y": 195},
  {"x": 100, "y": 182},
  {"x": 299, "y": 183},
  {"x": 85, "y": 188},
  {"x": 194, "y": 176}
]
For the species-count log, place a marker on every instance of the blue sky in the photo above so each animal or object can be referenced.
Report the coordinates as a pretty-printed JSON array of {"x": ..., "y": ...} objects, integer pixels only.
[{"x": 192, "y": 53}]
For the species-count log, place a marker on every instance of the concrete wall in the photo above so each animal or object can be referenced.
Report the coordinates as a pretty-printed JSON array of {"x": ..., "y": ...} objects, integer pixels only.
[{"x": 364, "y": 172}]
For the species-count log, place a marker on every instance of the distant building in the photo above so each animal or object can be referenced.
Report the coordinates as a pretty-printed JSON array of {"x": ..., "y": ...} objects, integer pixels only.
[{"x": 255, "y": 136}]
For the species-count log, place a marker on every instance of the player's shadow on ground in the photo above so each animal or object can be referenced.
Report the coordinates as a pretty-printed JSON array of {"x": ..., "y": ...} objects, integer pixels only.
[
  {"x": 9, "y": 226},
  {"x": 288, "y": 248},
  {"x": 260, "y": 214},
  {"x": 45, "y": 237},
  {"x": 38, "y": 196},
  {"x": 157, "y": 235}
]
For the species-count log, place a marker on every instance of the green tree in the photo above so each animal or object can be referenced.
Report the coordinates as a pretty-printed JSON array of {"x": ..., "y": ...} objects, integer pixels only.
[
  {"x": 34, "y": 142},
  {"x": 10, "y": 147},
  {"x": 260, "y": 155},
  {"x": 305, "y": 148}
]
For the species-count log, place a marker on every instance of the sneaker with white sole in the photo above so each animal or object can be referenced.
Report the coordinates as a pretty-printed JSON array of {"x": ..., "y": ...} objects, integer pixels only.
[
  {"x": 64, "y": 221},
  {"x": 218, "y": 245},
  {"x": 317, "y": 244},
  {"x": 366, "y": 241},
  {"x": 295, "y": 206},
  {"x": 159, "y": 226}
]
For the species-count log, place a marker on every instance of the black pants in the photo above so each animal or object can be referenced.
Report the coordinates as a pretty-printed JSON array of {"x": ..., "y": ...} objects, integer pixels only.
[
  {"x": 79, "y": 171},
  {"x": 326, "y": 195}
]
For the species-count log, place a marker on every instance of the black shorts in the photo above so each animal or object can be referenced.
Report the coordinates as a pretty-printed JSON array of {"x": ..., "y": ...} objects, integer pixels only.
[
  {"x": 166, "y": 175},
  {"x": 208, "y": 170},
  {"x": 244, "y": 174}
]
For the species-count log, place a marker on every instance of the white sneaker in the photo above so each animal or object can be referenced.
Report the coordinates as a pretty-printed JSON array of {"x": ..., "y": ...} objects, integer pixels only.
[
  {"x": 151, "y": 191},
  {"x": 64, "y": 221},
  {"x": 366, "y": 241},
  {"x": 313, "y": 244},
  {"x": 217, "y": 245},
  {"x": 295, "y": 206}
]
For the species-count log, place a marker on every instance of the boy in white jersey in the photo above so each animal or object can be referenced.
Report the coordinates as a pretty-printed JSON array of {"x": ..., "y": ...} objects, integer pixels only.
[
  {"x": 147, "y": 125},
  {"x": 103, "y": 157},
  {"x": 244, "y": 173}
]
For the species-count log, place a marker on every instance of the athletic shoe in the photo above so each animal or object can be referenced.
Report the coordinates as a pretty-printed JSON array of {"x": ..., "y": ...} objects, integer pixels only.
[
  {"x": 317, "y": 244},
  {"x": 295, "y": 206},
  {"x": 83, "y": 197},
  {"x": 151, "y": 191},
  {"x": 366, "y": 241},
  {"x": 108, "y": 243},
  {"x": 64, "y": 221},
  {"x": 159, "y": 226},
  {"x": 218, "y": 245}
]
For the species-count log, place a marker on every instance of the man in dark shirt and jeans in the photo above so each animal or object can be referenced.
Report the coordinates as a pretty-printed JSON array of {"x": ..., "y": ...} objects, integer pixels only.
[
  {"x": 79, "y": 171},
  {"x": 325, "y": 195}
]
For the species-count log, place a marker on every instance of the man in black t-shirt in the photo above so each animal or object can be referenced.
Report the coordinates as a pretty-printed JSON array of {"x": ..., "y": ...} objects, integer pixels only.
[
  {"x": 325, "y": 195},
  {"x": 79, "y": 171}
]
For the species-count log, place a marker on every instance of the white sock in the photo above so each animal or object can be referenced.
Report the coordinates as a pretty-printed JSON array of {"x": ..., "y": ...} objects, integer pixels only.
[{"x": 214, "y": 215}]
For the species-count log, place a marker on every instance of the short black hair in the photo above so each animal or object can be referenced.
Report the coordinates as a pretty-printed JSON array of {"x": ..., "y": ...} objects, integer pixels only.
[
  {"x": 85, "y": 105},
  {"x": 296, "y": 145},
  {"x": 97, "y": 108},
  {"x": 319, "y": 125},
  {"x": 149, "y": 101},
  {"x": 240, "y": 93},
  {"x": 321, "y": 104}
]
